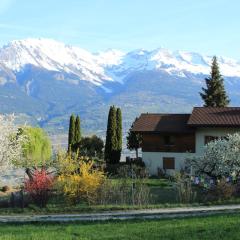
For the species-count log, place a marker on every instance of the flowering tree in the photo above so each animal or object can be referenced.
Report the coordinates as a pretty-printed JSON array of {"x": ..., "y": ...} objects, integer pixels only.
[
  {"x": 221, "y": 158},
  {"x": 10, "y": 142},
  {"x": 77, "y": 178},
  {"x": 39, "y": 186}
]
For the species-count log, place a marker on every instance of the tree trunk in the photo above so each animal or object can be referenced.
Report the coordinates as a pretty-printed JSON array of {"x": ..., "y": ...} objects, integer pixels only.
[
  {"x": 136, "y": 152},
  {"x": 29, "y": 173}
]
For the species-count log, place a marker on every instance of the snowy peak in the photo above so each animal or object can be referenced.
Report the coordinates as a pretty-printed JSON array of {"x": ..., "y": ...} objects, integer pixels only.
[
  {"x": 110, "y": 65},
  {"x": 109, "y": 57},
  {"x": 42, "y": 51},
  {"x": 54, "y": 56}
]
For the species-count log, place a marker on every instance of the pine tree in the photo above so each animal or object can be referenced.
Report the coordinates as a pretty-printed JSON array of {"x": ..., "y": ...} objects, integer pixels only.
[
  {"x": 111, "y": 140},
  {"x": 119, "y": 134},
  {"x": 77, "y": 137},
  {"x": 134, "y": 140},
  {"x": 71, "y": 132},
  {"x": 214, "y": 95}
]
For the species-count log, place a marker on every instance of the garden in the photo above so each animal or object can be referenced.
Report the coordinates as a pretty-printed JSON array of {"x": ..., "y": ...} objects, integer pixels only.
[
  {"x": 89, "y": 177},
  {"x": 81, "y": 178}
]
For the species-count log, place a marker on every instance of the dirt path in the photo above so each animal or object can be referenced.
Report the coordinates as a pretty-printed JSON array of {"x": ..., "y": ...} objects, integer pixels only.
[{"x": 124, "y": 215}]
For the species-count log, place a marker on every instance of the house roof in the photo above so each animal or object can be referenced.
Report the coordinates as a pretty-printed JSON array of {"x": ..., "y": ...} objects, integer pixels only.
[
  {"x": 215, "y": 117},
  {"x": 185, "y": 123},
  {"x": 165, "y": 123}
]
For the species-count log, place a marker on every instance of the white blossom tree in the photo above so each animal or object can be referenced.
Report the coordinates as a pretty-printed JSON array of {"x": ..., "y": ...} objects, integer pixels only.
[
  {"x": 10, "y": 142},
  {"x": 221, "y": 158}
]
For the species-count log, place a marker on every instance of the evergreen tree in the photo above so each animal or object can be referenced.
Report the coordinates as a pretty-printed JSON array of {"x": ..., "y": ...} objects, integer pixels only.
[
  {"x": 214, "y": 95},
  {"x": 71, "y": 132},
  {"x": 77, "y": 134},
  {"x": 111, "y": 140},
  {"x": 92, "y": 147},
  {"x": 134, "y": 140},
  {"x": 119, "y": 134}
]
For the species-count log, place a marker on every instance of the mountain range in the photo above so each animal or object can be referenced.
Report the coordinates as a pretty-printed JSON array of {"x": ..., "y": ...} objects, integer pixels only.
[{"x": 44, "y": 81}]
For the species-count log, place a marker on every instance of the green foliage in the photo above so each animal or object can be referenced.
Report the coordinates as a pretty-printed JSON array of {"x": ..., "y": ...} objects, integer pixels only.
[
  {"x": 214, "y": 95},
  {"x": 92, "y": 147},
  {"x": 77, "y": 135},
  {"x": 71, "y": 132},
  {"x": 111, "y": 138},
  {"x": 113, "y": 145},
  {"x": 119, "y": 134},
  {"x": 220, "y": 226},
  {"x": 134, "y": 140},
  {"x": 74, "y": 133},
  {"x": 37, "y": 149}
]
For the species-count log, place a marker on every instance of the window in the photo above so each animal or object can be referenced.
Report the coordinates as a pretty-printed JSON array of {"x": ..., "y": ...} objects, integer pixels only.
[
  {"x": 212, "y": 138},
  {"x": 169, "y": 140},
  {"x": 168, "y": 163}
]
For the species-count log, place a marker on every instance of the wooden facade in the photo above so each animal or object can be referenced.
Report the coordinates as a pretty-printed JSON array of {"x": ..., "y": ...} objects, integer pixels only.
[{"x": 180, "y": 143}]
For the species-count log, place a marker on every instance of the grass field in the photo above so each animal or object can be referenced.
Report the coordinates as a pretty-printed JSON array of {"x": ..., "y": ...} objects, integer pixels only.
[{"x": 213, "y": 227}]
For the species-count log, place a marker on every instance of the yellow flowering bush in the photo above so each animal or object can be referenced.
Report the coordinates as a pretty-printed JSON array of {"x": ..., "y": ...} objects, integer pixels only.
[{"x": 78, "y": 180}]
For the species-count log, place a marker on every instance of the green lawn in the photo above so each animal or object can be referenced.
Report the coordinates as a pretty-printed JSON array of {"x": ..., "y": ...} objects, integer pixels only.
[
  {"x": 151, "y": 182},
  {"x": 214, "y": 227}
]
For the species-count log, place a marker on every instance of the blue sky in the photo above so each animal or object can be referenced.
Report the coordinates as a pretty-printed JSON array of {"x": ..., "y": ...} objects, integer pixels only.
[{"x": 205, "y": 26}]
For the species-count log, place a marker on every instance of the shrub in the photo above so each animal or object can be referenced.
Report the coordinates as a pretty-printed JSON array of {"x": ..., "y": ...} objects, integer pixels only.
[
  {"x": 113, "y": 169},
  {"x": 5, "y": 189},
  {"x": 140, "y": 193},
  {"x": 124, "y": 191},
  {"x": 220, "y": 158},
  {"x": 161, "y": 173},
  {"x": 237, "y": 189},
  {"x": 91, "y": 147},
  {"x": 79, "y": 180},
  {"x": 114, "y": 192},
  {"x": 221, "y": 191},
  {"x": 129, "y": 188},
  {"x": 185, "y": 191},
  {"x": 39, "y": 187},
  {"x": 18, "y": 199},
  {"x": 135, "y": 161},
  {"x": 132, "y": 171}
]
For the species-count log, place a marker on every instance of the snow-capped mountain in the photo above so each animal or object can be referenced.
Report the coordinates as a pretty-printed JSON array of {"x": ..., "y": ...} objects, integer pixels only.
[
  {"x": 53, "y": 56},
  {"x": 45, "y": 81},
  {"x": 111, "y": 65}
]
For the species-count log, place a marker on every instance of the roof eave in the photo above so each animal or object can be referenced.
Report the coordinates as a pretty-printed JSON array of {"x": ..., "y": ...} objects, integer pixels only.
[{"x": 215, "y": 125}]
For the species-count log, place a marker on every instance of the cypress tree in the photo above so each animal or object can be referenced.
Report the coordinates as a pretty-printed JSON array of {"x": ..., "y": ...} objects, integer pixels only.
[
  {"x": 77, "y": 137},
  {"x": 214, "y": 95},
  {"x": 71, "y": 132},
  {"x": 111, "y": 140},
  {"x": 107, "y": 150},
  {"x": 119, "y": 134}
]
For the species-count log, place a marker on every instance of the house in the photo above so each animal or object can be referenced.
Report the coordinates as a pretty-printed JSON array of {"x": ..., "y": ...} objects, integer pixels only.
[{"x": 168, "y": 139}]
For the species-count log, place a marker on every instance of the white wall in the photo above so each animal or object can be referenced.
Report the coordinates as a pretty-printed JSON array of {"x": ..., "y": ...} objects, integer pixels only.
[
  {"x": 154, "y": 160},
  {"x": 215, "y": 132}
]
